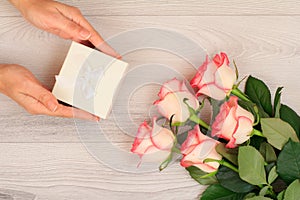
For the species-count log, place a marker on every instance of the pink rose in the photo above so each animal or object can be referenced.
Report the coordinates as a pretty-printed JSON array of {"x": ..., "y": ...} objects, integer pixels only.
[
  {"x": 152, "y": 139},
  {"x": 214, "y": 78},
  {"x": 197, "y": 148},
  {"x": 233, "y": 123},
  {"x": 172, "y": 94}
]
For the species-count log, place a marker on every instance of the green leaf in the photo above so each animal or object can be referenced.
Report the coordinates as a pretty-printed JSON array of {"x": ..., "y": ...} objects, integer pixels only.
[
  {"x": 259, "y": 198},
  {"x": 280, "y": 196},
  {"x": 268, "y": 167},
  {"x": 267, "y": 151},
  {"x": 250, "y": 195},
  {"x": 291, "y": 117},
  {"x": 264, "y": 191},
  {"x": 197, "y": 175},
  {"x": 251, "y": 165},
  {"x": 288, "y": 163},
  {"x": 256, "y": 141},
  {"x": 229, "y": 154},
  {"x": 230, "y": 180},
  {"x": 277, "y": 103},
  {"x": 277, "y": 132},
  {"x": 217, "y": 192},
  {"x": 259, "y": 93},
  {"x": 293, "y": 191},
  {"x": 272, "y": 175}
]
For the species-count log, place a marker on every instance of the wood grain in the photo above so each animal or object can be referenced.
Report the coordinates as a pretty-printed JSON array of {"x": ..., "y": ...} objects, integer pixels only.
[
  {"x": 268, "y": 50},
  {"x": 44, "y": 156},
  {"x": 42, "y": 169},
  {"x": 6, "y": 194},
  {"x": 176, "y": 7}
]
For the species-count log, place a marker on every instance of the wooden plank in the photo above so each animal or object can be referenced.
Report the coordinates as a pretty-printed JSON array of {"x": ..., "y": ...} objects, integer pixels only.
[
  {"x": 266, "y": 47},
  {"x": 67, "y": 171},
  {"x": 15, "y": 194},
  {"x": 176, "y": 7}
]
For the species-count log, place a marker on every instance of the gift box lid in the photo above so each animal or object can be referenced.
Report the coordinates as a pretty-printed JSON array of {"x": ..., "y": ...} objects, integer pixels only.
[{"x": 89, "y": 80}]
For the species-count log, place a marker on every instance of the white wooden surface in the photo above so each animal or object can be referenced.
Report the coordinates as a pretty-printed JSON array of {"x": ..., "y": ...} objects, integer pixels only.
[{"x": 44, "y": 156}]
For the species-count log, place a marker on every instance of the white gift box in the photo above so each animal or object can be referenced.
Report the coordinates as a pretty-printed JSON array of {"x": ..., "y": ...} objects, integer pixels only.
[{"x": 89, "y": 79}]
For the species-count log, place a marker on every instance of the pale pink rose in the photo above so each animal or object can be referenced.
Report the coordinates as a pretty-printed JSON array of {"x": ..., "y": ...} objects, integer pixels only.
[
  {"x": 197, "y": 148},
  {"x": 152, "y": 139},
  {"x": 233, "y": 123},
  {"x": 214, "y": 78},
  {"x": 172, "y": 94}
]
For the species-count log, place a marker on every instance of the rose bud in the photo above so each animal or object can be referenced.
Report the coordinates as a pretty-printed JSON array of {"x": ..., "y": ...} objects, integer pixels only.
[
  {"x": 171, "y": 102},
  {"x": 233, "y": 123},
  {"x": 152, "y": 139},
  {"x": 197, "y": 148},
  {"x": 214, "y": 78}
]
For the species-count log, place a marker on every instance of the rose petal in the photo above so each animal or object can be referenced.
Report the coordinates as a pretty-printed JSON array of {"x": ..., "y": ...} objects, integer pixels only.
[
  {"x": 212, "y": 91},
  {"x": 209, "y": 74},
  {"x": 152, "y": 139},
  {"x": 221, "y": 59},
  {"x": 205, "y": 149},
  {"x": 162, "y": 138},
  {"x": 173, "y": 85},
  {"x": 195, "y": 82},
  {"x": 214, "y": 78},
  {"x": 193, "y": 139},
  {"x": 229, "y": 125},
  {"x": 173, "y": 104},
  {"x": 225, "y": 77},
  {"x": 245, "y": 127},
  {"x": 144, "y": 132},
  {"x": 242, "y": 112}
]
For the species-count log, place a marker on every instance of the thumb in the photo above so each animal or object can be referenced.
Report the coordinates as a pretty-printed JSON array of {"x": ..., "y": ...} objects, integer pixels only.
[
  {"x": 70, "y": 30},
  {"x": 44, "y": 96}
]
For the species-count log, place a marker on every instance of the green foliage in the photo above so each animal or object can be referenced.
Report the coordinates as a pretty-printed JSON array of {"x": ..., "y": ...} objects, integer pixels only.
[
  {"x": 280, "y": 196},
  {"x": 230, "y": 180},
  {"x": 256, "y": 141},
  {"x": 288, "y": 115},
  {"x": 288, "y": 164},
  {"x": 197, "y": 174},
  {"x": 293, "y": 191},
  {"x": 218, "y": 192},
  {"x": 272, "y": 175},
  {"x": 267, "y": 166},
  {"x": 277, "y": 132},
  {"x": 277, "y": 103},
  {"x": 229, "y": 154},
  {"x": 259, "y": 93},
  {"x": 251, "y": 166},
  {"x": 267, "y": 151},
  {"x": 258, "y": 198}
]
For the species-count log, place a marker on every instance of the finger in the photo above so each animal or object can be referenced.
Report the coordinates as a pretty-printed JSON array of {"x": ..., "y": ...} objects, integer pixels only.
[
  {"x": 48, "y": 100},
  {"x": 68, "y": 29},
  {"x": 95, "y": 37},
  {"x": 70, "y": 112},
  {"x": 43, "y": 96},
  {"x": 34, "y": 106}
]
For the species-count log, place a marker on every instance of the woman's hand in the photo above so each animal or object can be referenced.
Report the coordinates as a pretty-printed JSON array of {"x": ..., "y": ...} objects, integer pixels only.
[
  {"x": 62, "y": 20},
  {"x": 20, "y": 84}
]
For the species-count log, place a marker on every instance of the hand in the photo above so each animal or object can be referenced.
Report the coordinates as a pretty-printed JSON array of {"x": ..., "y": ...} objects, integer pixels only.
[
  {"x": 62, "y": 20},
  {"x": 20, "y": 84}
]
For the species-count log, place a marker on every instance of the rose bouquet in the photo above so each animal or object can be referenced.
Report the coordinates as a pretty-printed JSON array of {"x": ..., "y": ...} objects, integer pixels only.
[{"x": 251, "y": 148}]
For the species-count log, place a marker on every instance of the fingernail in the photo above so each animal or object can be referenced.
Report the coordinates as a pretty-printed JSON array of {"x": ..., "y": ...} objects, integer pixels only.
[
  {"x": 85, "y": 34},
  {"x": 97, "y": 119},
  {"x": 119, "y": 56},
  {"x": 52, "y": 106}
]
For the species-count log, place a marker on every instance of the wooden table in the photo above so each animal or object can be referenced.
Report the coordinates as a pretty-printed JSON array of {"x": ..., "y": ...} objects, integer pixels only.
[{"x": 44, "y": 156}]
